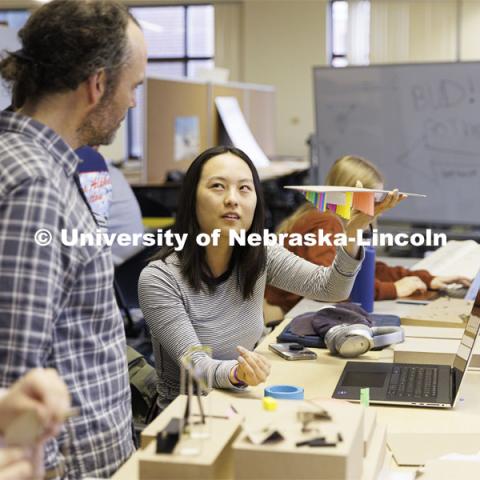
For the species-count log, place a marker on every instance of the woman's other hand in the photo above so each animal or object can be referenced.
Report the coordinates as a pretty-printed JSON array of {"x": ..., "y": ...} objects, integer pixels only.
[
  {"x": 406, "y": 286},
  {"x": 252, "y": 368},
  {"x": 361, "y": 221}
]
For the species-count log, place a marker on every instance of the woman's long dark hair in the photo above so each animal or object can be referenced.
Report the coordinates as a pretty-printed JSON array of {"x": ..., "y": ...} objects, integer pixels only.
[{"x": 249, "y": 261}]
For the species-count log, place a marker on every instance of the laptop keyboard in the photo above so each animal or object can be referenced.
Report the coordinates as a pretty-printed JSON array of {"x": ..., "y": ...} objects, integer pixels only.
[{"x": 413, "y": 382}]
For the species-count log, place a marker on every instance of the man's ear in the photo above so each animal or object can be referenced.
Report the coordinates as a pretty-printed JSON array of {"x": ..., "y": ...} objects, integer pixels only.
[{"x": 96, "y": 86}]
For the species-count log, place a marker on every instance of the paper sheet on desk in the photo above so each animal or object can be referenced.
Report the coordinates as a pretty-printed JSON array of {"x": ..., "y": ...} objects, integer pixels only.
[
  {"x": 458, "y": 457},
  {"x": 395, "y": 475},
  {"x": 450, "y": 466},
  {"x": 416, "y": 449},
  {"x": 238, "y": 130}
]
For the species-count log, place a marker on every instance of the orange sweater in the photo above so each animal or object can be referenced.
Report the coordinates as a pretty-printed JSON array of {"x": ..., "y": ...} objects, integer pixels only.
[{"x": 313, "y": 221}]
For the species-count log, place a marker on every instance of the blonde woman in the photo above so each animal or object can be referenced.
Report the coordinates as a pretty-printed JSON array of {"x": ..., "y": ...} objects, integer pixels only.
[{"x": 390, "y": 282}]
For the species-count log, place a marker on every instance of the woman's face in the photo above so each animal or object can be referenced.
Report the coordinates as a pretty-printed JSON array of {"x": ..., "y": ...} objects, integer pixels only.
[{"x": 226, "y": 197}]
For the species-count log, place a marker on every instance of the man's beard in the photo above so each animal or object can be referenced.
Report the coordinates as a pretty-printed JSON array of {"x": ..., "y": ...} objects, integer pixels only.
[{"x": 97, "y": 128}]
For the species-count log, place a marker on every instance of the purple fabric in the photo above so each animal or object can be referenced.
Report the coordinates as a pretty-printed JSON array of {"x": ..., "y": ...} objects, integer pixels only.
[{"x": 319, "y": 322}]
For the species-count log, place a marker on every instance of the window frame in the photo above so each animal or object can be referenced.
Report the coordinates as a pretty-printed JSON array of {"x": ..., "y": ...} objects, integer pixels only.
[
  {"x": 14, "y": 10},
  {"x": 332, "y": 54},
  {"x": 185, "y": 59}
]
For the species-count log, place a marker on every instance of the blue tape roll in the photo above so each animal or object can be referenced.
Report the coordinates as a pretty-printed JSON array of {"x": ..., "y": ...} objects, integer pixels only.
[{"x": 284, "y": 392}]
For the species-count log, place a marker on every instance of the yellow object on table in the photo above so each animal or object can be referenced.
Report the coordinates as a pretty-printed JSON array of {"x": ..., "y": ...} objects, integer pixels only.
[{"x": 269, "y": 404}]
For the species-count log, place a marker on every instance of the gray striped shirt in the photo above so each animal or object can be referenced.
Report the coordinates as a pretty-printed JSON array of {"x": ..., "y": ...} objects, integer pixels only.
[{"x": 180, "y": 317}]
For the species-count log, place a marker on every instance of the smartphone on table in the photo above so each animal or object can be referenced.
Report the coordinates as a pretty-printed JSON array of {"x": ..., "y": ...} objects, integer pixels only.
[{"x": 292, "y": 351}]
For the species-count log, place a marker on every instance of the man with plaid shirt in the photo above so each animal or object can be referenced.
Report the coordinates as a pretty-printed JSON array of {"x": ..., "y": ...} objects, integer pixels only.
[{"x": 72, "y": 83}]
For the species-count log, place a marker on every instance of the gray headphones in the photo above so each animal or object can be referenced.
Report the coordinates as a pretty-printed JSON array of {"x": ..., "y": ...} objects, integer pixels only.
[{"x": 349, "y": 340}]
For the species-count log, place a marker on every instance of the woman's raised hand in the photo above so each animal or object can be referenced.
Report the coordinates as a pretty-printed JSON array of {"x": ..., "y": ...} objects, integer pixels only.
[{"x": 361, "y": 221}]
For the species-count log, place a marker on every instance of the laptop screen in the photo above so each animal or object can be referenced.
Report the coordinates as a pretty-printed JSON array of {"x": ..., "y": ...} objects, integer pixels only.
[
  {"x": 474, "y": 287},
  {"x": 466, "y": 345}
]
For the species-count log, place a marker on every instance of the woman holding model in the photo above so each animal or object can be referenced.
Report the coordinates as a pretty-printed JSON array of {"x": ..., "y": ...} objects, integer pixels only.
[{"x": 213, "y": 295}]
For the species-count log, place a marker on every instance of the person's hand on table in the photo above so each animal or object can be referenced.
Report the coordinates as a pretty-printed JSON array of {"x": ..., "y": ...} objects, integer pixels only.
[
  {"x": 252, "y": 368},
  {"x": 406, "y": 286},
  {"x": 441, "y": 282}
]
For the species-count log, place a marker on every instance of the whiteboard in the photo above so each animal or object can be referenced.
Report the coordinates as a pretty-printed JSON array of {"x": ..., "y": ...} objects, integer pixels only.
[
  {"x": 10, "y": 42},
  {"x": 419, "y": 123}
]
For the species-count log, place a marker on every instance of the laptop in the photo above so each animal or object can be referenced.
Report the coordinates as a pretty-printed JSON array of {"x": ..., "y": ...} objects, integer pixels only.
[
  {"x": 474, "y": 288},
  {"x": 407, "y": 384}
]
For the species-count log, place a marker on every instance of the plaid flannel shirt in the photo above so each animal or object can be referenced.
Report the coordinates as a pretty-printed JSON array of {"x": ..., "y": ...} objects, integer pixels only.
[{"x": 57, "y": 307}]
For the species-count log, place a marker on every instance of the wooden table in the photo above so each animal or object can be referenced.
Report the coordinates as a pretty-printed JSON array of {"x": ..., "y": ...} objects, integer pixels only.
[{"x": 319, "y": 378}]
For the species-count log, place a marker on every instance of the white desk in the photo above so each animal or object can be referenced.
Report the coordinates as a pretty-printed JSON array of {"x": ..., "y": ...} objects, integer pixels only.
[
  {"x": 319, "y": 378},
  {"x": 398, "y": 418}
]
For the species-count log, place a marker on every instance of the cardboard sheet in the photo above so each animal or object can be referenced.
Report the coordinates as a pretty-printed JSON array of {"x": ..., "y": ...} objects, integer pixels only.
[{"x": 444, "y": 312}]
